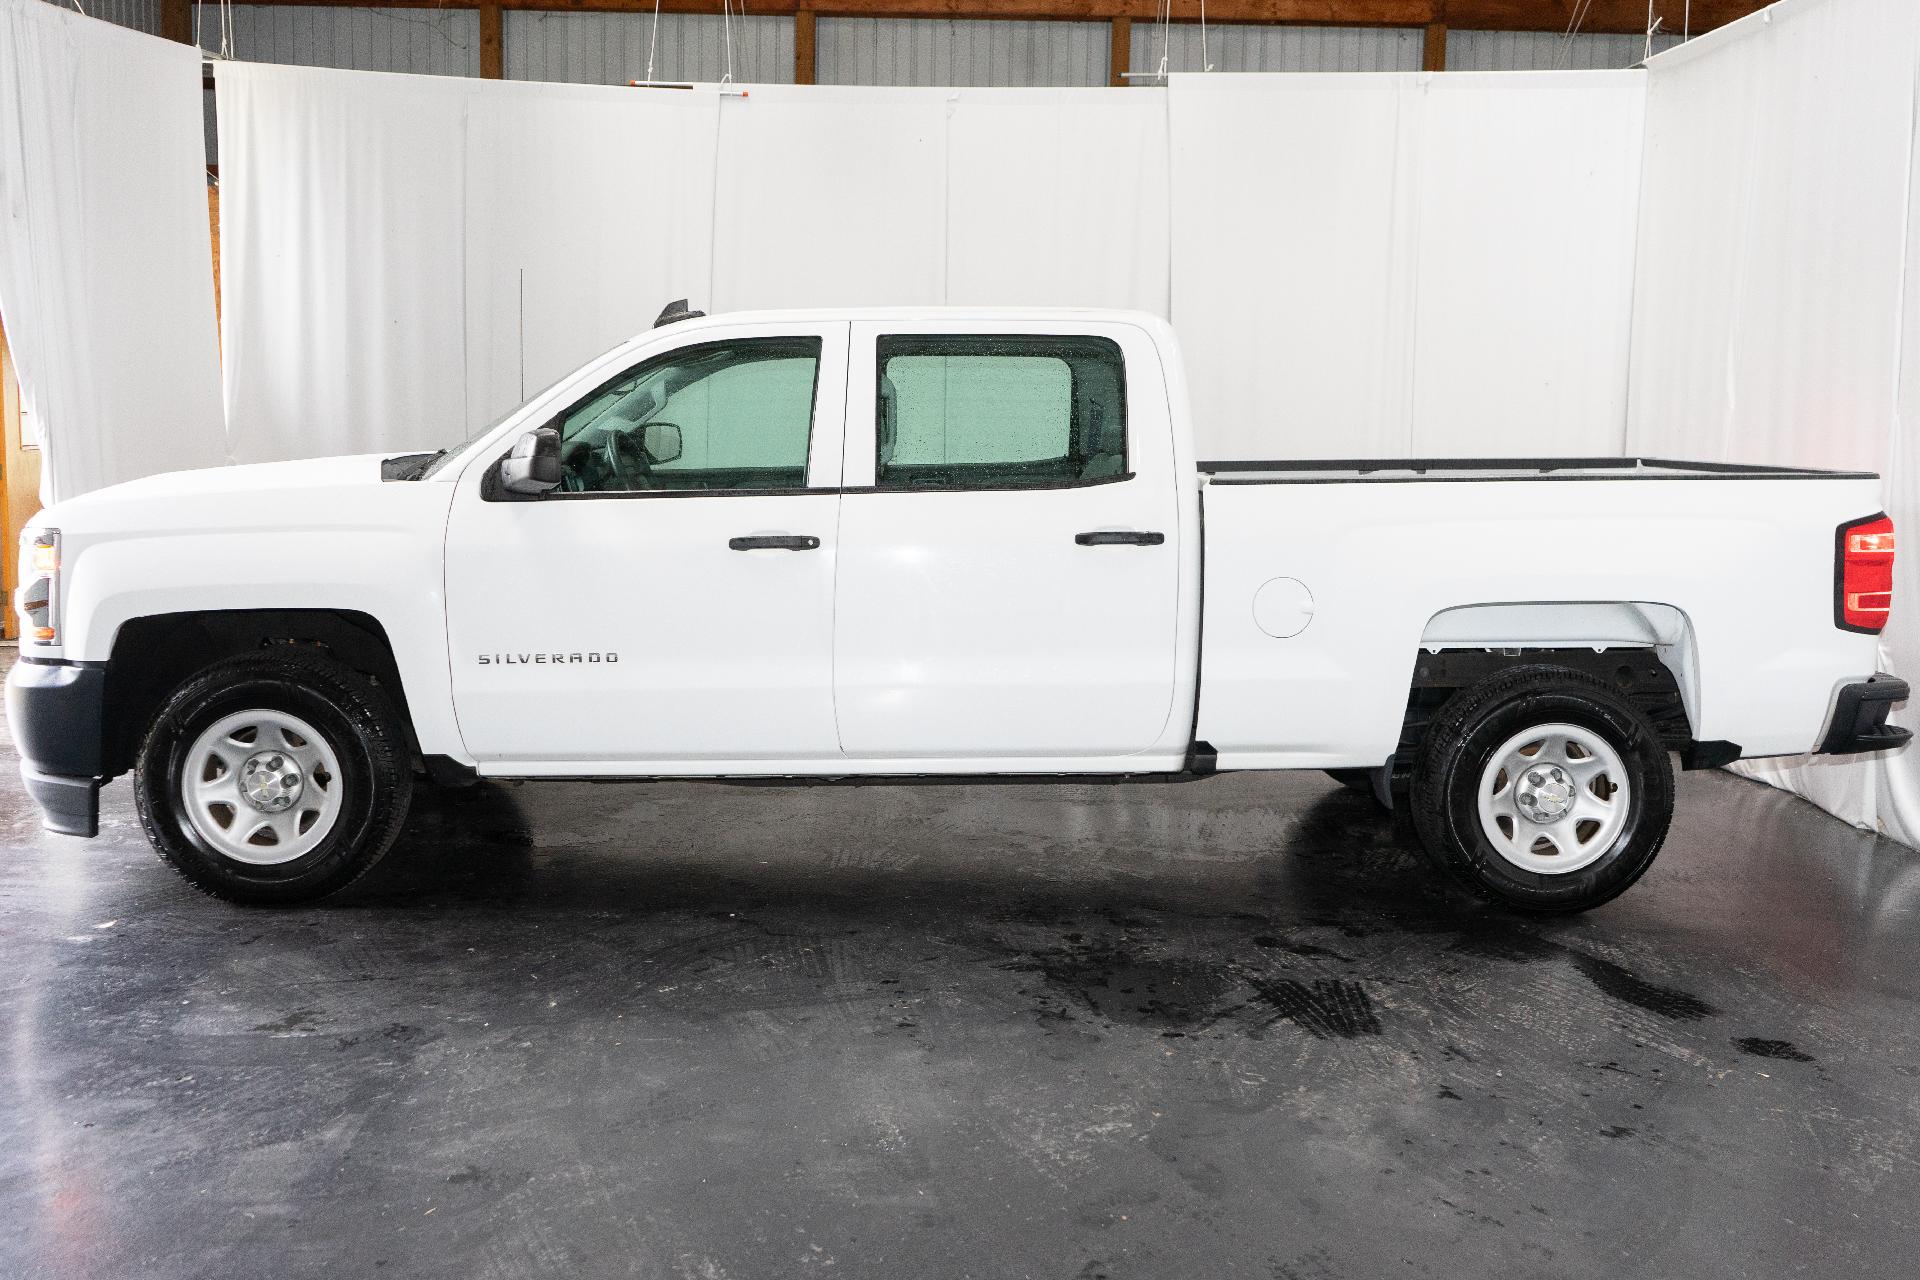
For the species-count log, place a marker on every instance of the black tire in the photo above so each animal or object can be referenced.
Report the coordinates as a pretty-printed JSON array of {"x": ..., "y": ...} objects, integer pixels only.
[
  {"x": 360, "y": 726},
  {"x": 1459, "y": 746}
]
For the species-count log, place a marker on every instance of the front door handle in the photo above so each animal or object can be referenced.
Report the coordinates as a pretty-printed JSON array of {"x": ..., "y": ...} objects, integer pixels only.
[
  {"x": 775, "y": 542},
  {"x": 1119, "y": 538}
]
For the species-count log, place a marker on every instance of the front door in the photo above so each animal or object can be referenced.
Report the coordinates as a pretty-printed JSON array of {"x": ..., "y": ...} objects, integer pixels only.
[
  {"x": 1009, "y": 544},
  {"x": 673, "y": 599}
]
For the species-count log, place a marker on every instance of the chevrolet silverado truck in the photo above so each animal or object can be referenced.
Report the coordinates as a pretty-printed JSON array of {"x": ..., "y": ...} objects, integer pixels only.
[{"x": 960, "y": 543}]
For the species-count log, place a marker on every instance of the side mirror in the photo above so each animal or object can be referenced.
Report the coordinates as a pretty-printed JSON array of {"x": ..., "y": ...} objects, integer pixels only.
[
  {"x": 533, "y": 467},
  {"x": 661, "y": 440}
]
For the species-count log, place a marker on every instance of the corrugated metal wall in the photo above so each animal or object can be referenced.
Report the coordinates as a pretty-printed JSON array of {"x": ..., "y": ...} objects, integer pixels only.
[
  {"x": 1275, "y": 48},
  {"x": 1546, "y": 51},
  {"x": 141, "y": 15},
  {"x": 960, "y": 52},
  {"x": 611, "y": 48},
  {"x": 430, "y": 41}
]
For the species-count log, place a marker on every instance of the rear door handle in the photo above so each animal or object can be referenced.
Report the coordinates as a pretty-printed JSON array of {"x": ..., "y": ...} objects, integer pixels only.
[
  {"x": 775, "y": 542},
  {"x": 1119, "y": 538}
]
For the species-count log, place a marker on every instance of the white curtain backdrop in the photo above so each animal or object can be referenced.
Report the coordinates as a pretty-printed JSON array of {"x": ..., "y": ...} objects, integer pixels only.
[
  {"x": 1777, "y": 292},
  {"x": 1334, "y": 233},
  {"x": 587, "y": 210},
  {"x": 863, "y": 196},
  {"x": 829, "y": 197},
  {"x": 342, "y": 260},
  {"x": 406, "y": 258},
  {"x": 1057, "y": 197},
  {"x": 106, "y": 264},
  {"x": 1405, "y": 264}
]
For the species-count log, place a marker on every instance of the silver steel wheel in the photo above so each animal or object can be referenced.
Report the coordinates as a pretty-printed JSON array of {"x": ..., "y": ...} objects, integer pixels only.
[
  {"x": 1554, "y": 798},
  {"x": 261, "y": 787}
]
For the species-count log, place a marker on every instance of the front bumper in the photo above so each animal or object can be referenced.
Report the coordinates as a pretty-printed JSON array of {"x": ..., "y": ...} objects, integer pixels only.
[
  {"x": 55, "y": 711},
  {"x": 1859, "y": 720}
]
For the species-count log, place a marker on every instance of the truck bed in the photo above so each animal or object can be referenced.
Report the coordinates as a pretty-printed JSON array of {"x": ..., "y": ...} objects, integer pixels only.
[
  {"x": 1316, "y": 604},
  {"x": 1406, "y": 470}
]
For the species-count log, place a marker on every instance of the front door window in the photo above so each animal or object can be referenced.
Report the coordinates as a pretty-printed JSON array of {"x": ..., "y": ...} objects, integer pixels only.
[{"x": 717, "y": 417}]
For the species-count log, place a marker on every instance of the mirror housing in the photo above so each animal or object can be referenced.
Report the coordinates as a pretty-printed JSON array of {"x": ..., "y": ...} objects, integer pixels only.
[
  {"x": 662, "y": 442},
  {"x": 533, "y": 466}
]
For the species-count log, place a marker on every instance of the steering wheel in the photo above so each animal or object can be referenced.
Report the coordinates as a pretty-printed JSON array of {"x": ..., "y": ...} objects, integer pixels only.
[
  {"x": 626, "y": 460},
  {"x": 575, "y": 459}
]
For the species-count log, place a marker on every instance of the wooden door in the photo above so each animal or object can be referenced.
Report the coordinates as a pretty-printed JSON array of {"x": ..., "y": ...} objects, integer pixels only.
[{"x": 19, "y": 483}]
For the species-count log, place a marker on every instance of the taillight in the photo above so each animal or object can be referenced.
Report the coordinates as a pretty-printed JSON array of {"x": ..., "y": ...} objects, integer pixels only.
[{"x": 1863, "y": 574}]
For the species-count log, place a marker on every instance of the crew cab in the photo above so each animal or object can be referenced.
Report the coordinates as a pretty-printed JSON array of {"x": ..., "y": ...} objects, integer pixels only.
[{"x": 833, "y": 544}]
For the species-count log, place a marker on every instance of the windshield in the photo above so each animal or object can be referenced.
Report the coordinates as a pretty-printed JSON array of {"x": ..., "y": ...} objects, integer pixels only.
[{"x": 449, "y": 455}]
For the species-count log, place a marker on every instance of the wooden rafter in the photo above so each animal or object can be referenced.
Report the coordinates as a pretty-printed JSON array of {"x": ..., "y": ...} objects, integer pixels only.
[{"x": 1613, "y": 16}]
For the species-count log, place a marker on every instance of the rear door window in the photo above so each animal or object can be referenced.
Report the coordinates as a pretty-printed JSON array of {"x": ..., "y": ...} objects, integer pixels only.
[{"x": 999, "y": 412}]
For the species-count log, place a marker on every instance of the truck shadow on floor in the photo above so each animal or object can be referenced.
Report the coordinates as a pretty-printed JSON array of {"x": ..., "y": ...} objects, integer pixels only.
[
  {"x": 1309, "y": 936},
  {"x": 1338, "y": 862}
]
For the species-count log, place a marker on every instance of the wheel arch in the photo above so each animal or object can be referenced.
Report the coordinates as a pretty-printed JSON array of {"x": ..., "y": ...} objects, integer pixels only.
[
  {"x": 1646, "y": 650},
  {"x": 153, "y": 654},
  {"x": 1664, "y": 630}
]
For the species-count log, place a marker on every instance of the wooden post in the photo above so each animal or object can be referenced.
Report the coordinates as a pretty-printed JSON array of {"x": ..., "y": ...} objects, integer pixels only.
[
  {"x": 20, "y": 463},
  {"x": 1120, "y": 57},
  {"x": 176, "y": 21},
  {"x": 493, "y": 58},
  {"x": 804, "y": 63},
  {"x": 1436, "y": 59}
]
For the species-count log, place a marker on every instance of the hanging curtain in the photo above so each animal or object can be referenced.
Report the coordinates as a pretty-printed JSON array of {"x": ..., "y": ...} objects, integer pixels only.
[
  {"x": 1404, "y": 264},
  {"x": 1777, "y": 295},
  {"x": 106, "y": 261}
]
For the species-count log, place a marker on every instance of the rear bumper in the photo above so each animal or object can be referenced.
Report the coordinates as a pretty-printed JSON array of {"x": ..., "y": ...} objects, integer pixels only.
[
  {"x": 55, "y": 712},
  {"x": 1859, "y": 721}
]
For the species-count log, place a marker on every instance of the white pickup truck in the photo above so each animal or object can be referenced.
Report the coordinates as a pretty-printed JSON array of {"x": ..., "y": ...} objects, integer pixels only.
[{"x": 822, "y": 545}]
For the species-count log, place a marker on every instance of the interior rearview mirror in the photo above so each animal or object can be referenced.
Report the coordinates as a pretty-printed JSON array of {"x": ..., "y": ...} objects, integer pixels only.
[
  {"x": 661, "y": 440},
  {"x": 533, "y": 466}
]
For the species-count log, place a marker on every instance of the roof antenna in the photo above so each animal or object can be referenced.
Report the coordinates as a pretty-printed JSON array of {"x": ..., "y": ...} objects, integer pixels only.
[{"x": 676, "y": 312}]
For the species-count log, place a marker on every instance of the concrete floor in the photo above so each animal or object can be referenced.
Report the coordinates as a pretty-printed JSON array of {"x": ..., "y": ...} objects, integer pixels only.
[{"x": 1227, "y": 1028}]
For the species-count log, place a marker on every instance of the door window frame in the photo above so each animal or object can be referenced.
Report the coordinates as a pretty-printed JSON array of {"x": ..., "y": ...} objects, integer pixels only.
[
  {"x": 860, "y": 459},
  {"x": 987, "y": 338},
  {"x": 826, "y": 433}
]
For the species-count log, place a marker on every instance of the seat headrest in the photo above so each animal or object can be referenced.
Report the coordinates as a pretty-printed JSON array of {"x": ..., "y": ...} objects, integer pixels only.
[{"x": 888, "y": 419}]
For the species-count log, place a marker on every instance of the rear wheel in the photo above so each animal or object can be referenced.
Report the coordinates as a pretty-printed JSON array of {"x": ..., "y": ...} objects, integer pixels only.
[
  {"x": 274, "y": 777},
  {"x": 1544, "y": 789}
]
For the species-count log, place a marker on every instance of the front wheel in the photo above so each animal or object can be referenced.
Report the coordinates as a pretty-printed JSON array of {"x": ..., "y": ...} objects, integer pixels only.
[
  {"x": 1544, "y": 789},
  {"x": 274, "y": 777}
]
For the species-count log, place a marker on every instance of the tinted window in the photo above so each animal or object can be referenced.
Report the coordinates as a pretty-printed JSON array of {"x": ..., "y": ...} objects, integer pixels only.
[
  {"x": 999, "y": 412},
  {"x": 724, "y": 415}
]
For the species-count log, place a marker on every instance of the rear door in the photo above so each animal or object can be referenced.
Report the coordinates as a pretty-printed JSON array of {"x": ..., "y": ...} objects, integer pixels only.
[{"x": 1009, "y": 560}]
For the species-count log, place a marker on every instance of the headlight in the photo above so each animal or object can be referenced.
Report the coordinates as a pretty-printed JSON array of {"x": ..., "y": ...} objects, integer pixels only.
[{"x": 38, "y": 600}]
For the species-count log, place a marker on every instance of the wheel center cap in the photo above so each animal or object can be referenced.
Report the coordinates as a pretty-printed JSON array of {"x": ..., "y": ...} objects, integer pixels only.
[
  {"x": 271, "y": 781},
  {"x": 1545, "y": 793}
]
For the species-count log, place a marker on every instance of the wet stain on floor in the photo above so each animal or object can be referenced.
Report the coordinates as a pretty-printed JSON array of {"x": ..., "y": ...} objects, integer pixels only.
[
  {"x": 1131, "y": 985},
  {"x": 1778, "y": 1050},
  {"x": 1607, "y": 976},
  {"x": 1624, "y": 985}
]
